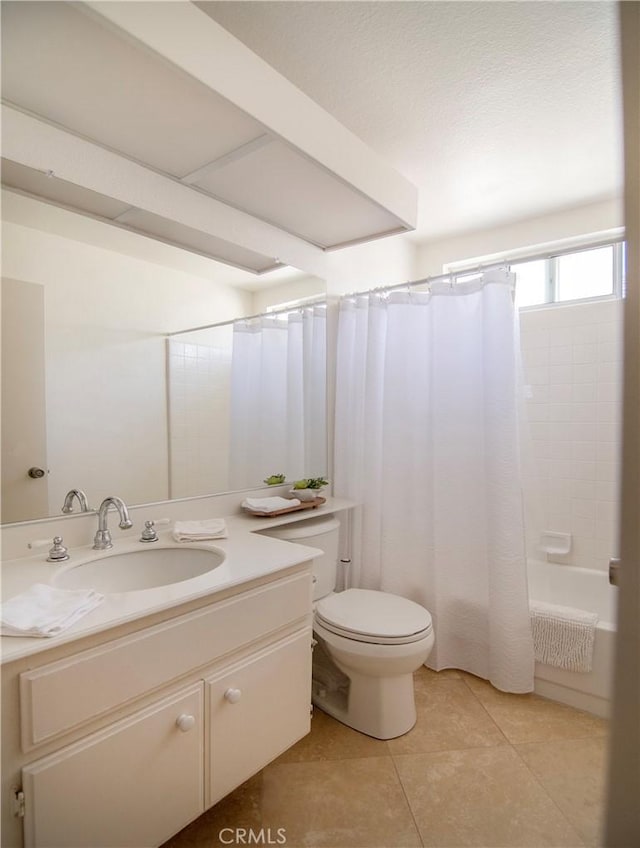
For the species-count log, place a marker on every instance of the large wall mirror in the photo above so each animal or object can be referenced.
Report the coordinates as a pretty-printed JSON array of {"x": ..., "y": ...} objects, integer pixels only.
[{"x": 103, "y": 392}]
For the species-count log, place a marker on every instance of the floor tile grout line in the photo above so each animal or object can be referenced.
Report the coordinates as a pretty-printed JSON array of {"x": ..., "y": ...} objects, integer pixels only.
[
  {"x": 343, "y": 759},
  {"x": 449, "y": 750},
  {"x": 406, "y": 797},
  {"x": 491, "y": 718},
  {"x": 584, "y": 735},
  {"x": 546, "y": 791}
]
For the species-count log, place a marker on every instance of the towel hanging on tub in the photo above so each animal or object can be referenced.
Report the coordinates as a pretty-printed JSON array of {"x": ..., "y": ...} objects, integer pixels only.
[{"x": 563, "y": 636}]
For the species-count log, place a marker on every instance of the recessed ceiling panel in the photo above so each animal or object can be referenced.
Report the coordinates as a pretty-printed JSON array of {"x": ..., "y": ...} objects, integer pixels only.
[
  {"x": 94, "y": 91},
  {"x": 278, "y": 184},
  {"x": 191, "y": 239},
  {"x": 60, "y": 191},
  {"x": 60, "y": 63}
]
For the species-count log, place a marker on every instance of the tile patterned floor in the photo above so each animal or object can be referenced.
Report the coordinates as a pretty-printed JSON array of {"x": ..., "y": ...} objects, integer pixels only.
[{"x": 480, "y": 768}]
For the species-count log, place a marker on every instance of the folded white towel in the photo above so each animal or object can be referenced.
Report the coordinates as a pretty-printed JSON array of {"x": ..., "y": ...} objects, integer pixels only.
[
  {"x": 46, "y": 611},
  {"x": 200, "y": 531},
  {"x": 267, "y": 505}
]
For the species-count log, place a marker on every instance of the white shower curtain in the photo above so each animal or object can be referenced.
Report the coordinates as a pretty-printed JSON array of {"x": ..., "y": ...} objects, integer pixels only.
[
  {"x": 426, "y": 440},
  {"x": 278, "y": 397}
]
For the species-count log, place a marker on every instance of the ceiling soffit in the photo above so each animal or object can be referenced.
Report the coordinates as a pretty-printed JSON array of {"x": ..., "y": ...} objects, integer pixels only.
[{"x": 190, "y": 139}]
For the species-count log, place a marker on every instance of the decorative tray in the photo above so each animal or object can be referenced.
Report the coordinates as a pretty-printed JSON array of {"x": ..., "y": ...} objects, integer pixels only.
[{"x": 302, "y": 505}]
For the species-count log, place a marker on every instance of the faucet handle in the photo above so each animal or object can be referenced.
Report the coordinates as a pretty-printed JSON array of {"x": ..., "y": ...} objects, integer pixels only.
[
  {"x": 149, "y": 534},
  {"x": 58, "y": 553}
]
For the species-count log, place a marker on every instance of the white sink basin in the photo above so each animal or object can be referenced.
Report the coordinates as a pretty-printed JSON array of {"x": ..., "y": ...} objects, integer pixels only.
[{"x": 146, "y": 568}]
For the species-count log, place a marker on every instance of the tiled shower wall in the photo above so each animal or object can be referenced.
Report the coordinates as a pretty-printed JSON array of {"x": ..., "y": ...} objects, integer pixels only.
[
  {"x": 572, "y": 357},
  {"x": 199, "y": 377}
]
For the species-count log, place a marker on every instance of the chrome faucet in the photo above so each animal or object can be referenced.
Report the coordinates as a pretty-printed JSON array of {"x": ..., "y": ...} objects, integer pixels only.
[
  {"x": 82, "y": 501},
  {"x": 102, "y": 540}
]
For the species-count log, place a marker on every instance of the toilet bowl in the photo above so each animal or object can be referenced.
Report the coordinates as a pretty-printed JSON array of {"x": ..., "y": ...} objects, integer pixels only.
[{"x": 369, "y": 643}]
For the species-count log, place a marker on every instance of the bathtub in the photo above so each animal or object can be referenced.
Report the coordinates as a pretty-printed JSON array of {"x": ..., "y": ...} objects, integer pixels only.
[{"x": 586, "y": 589}]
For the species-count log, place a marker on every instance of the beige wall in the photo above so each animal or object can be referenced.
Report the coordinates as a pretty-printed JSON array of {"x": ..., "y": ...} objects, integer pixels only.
[
  {"x": 379, "y": 263},
  {"x": 567, "y": 224},
  {"x": 291, "y": 290}
]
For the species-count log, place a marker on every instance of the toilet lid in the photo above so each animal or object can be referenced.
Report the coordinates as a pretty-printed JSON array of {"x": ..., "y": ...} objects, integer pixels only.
[{"x": 372, "y": 616}]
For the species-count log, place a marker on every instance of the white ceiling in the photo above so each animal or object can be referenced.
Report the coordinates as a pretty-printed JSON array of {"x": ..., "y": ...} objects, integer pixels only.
[
  {"x": 155, "y": 106},
  {"x": 495, "y": 110}
]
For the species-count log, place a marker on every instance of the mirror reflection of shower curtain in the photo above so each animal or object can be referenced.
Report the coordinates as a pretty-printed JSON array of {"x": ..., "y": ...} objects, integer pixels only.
[
  {"x": 426, "y": 440},
  {"x": 278, "y": 398}
]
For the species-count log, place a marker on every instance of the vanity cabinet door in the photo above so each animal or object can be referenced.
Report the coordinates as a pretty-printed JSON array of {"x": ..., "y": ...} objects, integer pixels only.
[
  {"x": 133, "y": 784},
  {"x": 257, "y": 709}
]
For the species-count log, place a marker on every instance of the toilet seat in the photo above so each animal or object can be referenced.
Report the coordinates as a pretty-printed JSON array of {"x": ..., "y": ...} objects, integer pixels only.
[{"x": 378, "y": 618}]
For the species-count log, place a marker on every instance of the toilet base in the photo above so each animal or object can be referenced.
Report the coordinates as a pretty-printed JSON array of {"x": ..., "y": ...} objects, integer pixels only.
[
  {"x": 379, "y": 705},
  {"x": 383, "y": 708}
]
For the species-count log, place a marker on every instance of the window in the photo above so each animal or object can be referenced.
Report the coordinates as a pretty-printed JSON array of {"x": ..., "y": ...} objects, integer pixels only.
[
  {"x": 577, "y": 275},
  {"x": 531, "y": 282}
]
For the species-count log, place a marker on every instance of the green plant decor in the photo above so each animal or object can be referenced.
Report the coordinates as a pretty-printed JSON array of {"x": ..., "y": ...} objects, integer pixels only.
[{"x": 311, "y": 483}]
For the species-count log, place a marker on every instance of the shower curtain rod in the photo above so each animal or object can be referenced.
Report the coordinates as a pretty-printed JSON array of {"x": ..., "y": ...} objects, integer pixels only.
[
  {"x": 284, "y": 309},
  {"x": 477, "y": 269}
]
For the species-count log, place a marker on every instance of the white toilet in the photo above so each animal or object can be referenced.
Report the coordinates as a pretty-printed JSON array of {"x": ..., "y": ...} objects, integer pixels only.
[{"x": 369, "y": 643}]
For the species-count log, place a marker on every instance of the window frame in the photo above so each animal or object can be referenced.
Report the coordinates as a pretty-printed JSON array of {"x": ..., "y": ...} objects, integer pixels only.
[
  {"x": 552, "y": 275},
  {"x": 550, "y": 255}
]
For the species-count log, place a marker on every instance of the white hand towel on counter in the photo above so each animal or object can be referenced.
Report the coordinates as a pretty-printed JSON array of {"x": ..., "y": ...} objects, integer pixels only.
[
  {"x": 46, "y": 611},
  {"x": 200, "y": 531},
  {"x": 268, "y": 505}
]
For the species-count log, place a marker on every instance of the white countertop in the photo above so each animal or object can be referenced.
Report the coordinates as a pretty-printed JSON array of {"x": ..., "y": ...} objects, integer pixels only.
[{"x": 248, "y": 556}]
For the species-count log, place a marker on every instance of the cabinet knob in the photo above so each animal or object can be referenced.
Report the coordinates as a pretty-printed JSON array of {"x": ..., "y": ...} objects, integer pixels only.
[
  {"x": 185, "y": 722},
  {"x": 233, "y": 695}
]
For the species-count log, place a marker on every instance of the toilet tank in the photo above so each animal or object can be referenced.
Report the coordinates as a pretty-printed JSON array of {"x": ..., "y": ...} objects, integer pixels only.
[{"x": 323, "y": 533}]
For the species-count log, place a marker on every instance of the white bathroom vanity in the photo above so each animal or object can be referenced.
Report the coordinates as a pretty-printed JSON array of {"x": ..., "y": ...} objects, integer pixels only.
[{"x": 149, "y": 710}]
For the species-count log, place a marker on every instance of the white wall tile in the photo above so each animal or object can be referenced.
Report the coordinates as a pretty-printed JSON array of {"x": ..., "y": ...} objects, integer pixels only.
[
  {"x": 608, "y": 413},
  {"x": 607, "y": 471},
  {"x": 608, "y": 452},
  {"x": 608, "y": 392},
  {"x": 584, "y": 334},
  {"x": 607, "y": 490},
  {"x": 583, "y": 451},
  {"x": 609, "y": 331},
  {"x": 584, "y": 489},
  {"x": 583, "y": 508},
  {"x": 607, "y": 372},
  {"x": 610, "y": 431},
  {"x": 536, "y": 356},
  {"x": 585, "y": 353},
  {"x": 560, "y": 374},
  {"x": 561, "y": 355},
  {"x": 535, "y": 337},
  {"x": 537, "y": 375},
  {"x": 584, "y": 470},
  {"x": 585, "y": 392},
  {"x": 584, "y": 431},
  {"x": 537, "y": 412},
  {"x": 558, "y": 392},
  {"x": 583, "y": 374},
  {"x": 608, "y": 352},
  {"x": 571, "y": 361}
]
